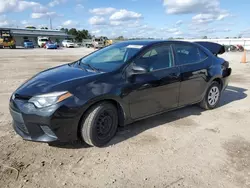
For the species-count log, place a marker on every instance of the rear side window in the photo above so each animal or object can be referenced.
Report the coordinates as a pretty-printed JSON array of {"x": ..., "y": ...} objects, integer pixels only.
[
  {"x": 203, "y": 55},
  {"x": 188, "y": 54}
]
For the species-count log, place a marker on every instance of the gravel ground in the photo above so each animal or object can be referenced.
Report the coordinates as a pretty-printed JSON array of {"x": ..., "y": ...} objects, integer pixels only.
[{"x": 184, "y": 148}]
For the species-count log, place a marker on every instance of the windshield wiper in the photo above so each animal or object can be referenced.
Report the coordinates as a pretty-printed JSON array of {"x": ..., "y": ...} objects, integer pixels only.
[{"x": 88, "y": 65}]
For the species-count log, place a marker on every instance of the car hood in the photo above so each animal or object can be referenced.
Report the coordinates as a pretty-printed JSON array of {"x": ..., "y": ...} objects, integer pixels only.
[
  {"x": 214, "y": 48},
  {"x": 55, "y": 79}
]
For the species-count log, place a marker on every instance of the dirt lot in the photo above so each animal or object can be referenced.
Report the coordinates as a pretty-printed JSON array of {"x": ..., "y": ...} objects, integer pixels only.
[{"x": 185, "y": 148}]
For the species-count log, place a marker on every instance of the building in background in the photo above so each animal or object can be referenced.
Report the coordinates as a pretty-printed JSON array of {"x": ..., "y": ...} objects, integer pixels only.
[{"x": 32, "y": 34}]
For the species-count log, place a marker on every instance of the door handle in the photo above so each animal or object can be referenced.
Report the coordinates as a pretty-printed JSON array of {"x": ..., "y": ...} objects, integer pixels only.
[{"x": 144, "y": 86}]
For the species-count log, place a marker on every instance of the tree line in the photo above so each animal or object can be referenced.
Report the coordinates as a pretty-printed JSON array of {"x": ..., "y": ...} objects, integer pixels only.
[{"x": 78, "y": 35}]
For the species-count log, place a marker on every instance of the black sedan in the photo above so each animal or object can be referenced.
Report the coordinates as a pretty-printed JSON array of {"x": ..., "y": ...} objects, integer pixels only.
[{"x": 117, "y": 85}]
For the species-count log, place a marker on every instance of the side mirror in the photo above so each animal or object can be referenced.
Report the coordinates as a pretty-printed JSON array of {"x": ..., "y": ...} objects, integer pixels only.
[
  {"x": 135, "y": 70},
  {"x": 138, "y": 70}
]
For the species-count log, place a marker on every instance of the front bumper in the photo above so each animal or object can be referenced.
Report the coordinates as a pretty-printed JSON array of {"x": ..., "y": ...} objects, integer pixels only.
[
  {"x": 31, "y": 131},
  {"x": 29, "y": 46},
  {"x": 57, "y": 122},
  {"x": 52, "y": 47}
]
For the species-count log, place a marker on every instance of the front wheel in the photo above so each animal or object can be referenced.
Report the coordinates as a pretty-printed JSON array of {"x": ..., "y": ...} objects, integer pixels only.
[
  {"x": 100, "y": 124},
  {"x": 212, "y": 97}
]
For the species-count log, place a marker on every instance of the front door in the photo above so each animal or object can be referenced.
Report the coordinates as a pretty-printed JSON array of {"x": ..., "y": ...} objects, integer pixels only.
[{"x": 158, "y": 89}]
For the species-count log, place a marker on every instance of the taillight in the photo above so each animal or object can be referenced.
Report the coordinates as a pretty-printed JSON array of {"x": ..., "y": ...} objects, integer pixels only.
[{"x": 225, "y": 65}]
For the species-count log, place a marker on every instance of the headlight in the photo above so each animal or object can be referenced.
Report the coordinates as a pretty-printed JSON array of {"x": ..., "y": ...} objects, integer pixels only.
[{"x": 41, "y": 101}]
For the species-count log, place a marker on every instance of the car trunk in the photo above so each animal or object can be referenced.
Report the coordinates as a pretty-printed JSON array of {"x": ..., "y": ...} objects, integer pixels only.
[
  {"x": 218, "y": 49},
  {"x": 214, "y": 48}
]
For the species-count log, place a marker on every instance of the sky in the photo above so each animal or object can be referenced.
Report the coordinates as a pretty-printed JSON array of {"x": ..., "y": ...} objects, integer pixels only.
[{"x": 133, "y": 18}]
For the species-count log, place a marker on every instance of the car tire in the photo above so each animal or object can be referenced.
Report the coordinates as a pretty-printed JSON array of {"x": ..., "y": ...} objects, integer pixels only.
[
  {"x": 212, "y": 97},
  {"x": 99, "y": 124}
]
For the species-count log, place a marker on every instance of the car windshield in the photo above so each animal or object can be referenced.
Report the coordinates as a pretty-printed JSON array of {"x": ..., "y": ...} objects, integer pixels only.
[{"x": 111, "y": 57}]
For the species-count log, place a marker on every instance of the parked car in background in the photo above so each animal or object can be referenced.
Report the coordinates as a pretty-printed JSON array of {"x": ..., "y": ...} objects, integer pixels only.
[
  {"x": 87, "y": 43},
  {"x": 98, "y": 42},
  {"x": 234, "y": 48},
  {"x": 78, "y": 44},
  {"x": 50, "y": 45},
  {"x": 101, "y": 42},
  {"x": 115, "y": 86},
  {"x": 230, "y": 48},
  {"x": 28, "y": 44},
  {"x": 41, "y": 41},
  {"x": 68, "y": 44},
  {"x": 240, "y": 48}
]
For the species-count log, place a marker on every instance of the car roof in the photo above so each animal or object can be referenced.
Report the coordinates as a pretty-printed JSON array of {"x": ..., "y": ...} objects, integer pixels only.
[
  {"x": 150, "y": 42},
  {"x": 141, "y": 42}
]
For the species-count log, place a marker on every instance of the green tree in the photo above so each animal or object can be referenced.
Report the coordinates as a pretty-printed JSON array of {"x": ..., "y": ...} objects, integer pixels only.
[
  {"x": 65, "y": 30},
  {"x": 73, "y": 32},
  {"x": 120, "y": 38},
  {"x": 30, "y": 27},
  {"x": 79, "y": 35}
]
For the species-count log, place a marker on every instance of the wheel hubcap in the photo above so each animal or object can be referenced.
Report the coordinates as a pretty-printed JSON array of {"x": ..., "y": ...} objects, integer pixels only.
[
  {"x": 104, "y": 125},
  {"x": 213, "y": 96}
]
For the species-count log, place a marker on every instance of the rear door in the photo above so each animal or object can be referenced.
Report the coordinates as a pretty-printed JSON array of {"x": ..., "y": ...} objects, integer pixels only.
[
  {"x": 158, "y": 89},
  {"x": 193, "y": 63}
]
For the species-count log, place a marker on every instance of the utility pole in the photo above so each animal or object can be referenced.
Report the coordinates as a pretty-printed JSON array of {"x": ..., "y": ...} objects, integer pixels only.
[{"x": 50, "y": 23}]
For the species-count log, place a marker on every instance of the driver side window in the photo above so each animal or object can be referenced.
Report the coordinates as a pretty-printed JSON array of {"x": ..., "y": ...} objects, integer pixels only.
[{"x": 156, "y": 58}]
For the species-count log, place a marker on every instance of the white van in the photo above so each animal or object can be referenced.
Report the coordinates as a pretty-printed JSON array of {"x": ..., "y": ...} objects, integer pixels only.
[{"x": 41, "y": 41}]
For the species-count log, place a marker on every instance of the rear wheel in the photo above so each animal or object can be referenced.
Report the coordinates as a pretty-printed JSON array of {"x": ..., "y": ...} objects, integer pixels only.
[
  {"x": 99, "y": 124},
  {"x": 212, "y": 97}
]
